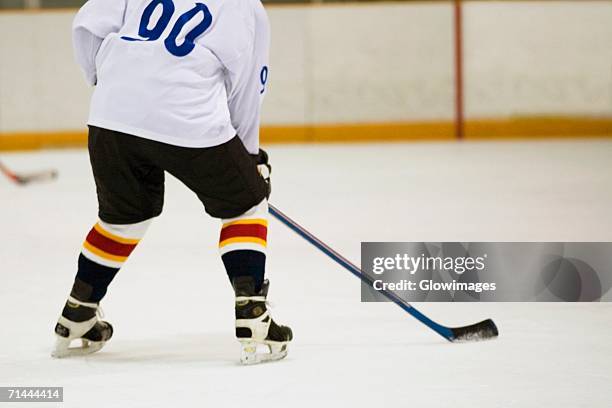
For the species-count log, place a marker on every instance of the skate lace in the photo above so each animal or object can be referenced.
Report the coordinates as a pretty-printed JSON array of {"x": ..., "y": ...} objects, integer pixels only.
[{"x": 254, "y": 299}]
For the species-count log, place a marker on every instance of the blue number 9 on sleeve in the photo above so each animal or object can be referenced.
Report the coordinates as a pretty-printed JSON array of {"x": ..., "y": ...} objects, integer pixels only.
[{"x": 263, "y": 77}]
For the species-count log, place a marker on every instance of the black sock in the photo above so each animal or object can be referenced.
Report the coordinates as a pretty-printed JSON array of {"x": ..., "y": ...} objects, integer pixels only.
[{"x": 245, "y": 263}]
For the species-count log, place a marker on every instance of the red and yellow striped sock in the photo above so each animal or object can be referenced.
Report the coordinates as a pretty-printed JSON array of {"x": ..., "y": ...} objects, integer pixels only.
[
  {"x": 110, "y": 245},
  {"x": 248, "y": 233},
  {"x": 105, "y": 250},
  {"x": 242, "y": 244}
]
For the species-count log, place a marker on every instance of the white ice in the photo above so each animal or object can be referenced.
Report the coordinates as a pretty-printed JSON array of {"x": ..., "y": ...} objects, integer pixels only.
[{"x": 172, "y": 307}]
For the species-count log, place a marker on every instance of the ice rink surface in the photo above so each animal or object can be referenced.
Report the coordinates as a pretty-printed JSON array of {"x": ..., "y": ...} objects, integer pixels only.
[{"x": 172, "y": 307}]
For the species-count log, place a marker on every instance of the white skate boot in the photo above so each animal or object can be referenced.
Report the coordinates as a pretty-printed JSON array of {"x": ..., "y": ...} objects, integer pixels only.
[
  {"x": 260, "y": 337},
  {"x": 80, "y": 321}
]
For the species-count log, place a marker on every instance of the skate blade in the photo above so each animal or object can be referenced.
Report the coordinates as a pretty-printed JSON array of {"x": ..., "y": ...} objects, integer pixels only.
[
  {"x": 63, "y": 350},
  {"x": 257, "y": 353}
]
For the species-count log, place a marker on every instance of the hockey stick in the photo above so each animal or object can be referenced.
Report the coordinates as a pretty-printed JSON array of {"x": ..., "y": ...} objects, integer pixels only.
[
  {"x": 23, "y": 179},
  {"x": 478, "y": 331}
]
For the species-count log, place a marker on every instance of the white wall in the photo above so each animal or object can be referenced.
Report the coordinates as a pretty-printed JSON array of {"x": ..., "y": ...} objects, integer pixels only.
[
  {"x": 525, "y": 58},
  {"x": 381, "y": 62},
  {"x": 360, "y": 63},
  {"x": 40, "y": 86}
]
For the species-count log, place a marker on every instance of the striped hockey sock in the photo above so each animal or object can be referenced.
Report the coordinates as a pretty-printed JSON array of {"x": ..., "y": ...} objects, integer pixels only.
[
  {"x": 104, "y": 251},
  {"x": 242, "y": 244}
]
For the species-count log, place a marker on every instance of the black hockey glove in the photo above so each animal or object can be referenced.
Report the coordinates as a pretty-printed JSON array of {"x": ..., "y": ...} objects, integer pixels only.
[{"x": 264, "y": 168}]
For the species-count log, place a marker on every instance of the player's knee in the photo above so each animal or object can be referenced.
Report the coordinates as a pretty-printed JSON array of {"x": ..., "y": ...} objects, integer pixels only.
[
  {"x": 128, "y": 219},
  {"x": 248, "y": 231},
  {"x": 238, "y": 205},
  {"x": 126, "y": 231},
  {"x": 259, "y": 210},
  {"x": 109, "y": 245}
]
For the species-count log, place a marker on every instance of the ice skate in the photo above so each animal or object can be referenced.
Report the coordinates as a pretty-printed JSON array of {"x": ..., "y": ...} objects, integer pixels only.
[
  {"x": 260, "y": 337},
  {"x": 80, "y": 322}
]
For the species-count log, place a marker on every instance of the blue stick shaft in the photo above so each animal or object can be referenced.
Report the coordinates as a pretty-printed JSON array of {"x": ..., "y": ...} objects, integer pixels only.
[{"x": 348, "y": 265}]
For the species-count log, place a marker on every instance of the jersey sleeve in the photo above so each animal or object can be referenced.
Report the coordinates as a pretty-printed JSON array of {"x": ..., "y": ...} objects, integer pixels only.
[
  {"x": 247, "y": 78},
  {"x": 94, "y": 21}
]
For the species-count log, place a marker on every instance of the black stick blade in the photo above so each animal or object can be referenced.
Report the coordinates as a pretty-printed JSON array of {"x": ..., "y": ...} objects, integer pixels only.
[{"x": 484, "y": 330}]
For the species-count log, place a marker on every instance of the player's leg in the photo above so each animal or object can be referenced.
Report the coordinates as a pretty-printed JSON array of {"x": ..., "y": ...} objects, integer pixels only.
[
  {"x": 130, "y": 194},
  {"x": 242, "y": 245},
  {"x": 227, "y": 181},
  {"x": 106, "y": 248}
]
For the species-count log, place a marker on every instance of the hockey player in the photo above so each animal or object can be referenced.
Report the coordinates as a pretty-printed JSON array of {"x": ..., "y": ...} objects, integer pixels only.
[{"x": 178, "y": 88}]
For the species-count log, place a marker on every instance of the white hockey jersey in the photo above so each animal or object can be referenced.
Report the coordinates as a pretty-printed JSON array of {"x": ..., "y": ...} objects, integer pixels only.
[{"x": 182, "y": 72}]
